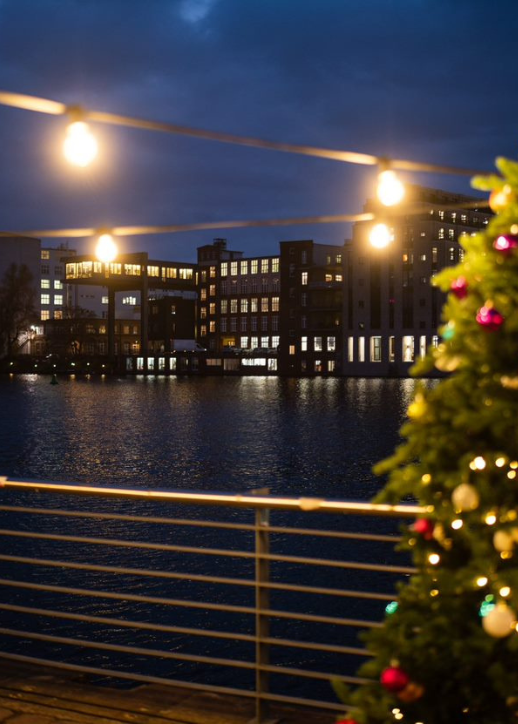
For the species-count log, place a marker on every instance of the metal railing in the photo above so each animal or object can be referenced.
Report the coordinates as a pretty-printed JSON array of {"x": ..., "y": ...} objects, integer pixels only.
[{"x": 102, "y": 604}]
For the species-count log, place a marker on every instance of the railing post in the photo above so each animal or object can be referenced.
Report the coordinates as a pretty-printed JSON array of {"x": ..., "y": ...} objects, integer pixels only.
[{"x": 262, "y": 603}]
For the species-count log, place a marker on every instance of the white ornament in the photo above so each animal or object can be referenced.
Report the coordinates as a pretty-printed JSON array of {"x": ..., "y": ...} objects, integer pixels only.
[
  {"x": 500, "y": 621},
  {"x": 503, "y": 541},
  {"x": 465, "y": 497}
]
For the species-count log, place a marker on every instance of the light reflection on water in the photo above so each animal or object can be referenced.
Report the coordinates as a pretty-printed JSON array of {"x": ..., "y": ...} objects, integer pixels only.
[{"x": 297, "y": 436}]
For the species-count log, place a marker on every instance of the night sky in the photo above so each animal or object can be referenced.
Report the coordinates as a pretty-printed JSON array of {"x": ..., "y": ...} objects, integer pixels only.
[{"x": 427, "y": 80}]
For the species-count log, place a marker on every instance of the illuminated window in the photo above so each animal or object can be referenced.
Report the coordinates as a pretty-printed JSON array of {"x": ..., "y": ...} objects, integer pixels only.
[
  {"x": 129, "y": 300},
  {"x": 434, "y": 255},
  {"x": 203, "y": 294},
  {"x": 423, "y": 257},
  {"x": 331, "y": 344},
  {"x": 441, "y": 215},
  {"x": 58, "y": 284},
  {"x": 203, "y": 312},
  {"x": 153, "y": 271},
  {"x": 45, "y": 283},
  {"x": 265, "y": 266},
  {"x": 361, "y": 349},
  {"x": 451, "y": 233},
  {"x": 233, "y": 268},
  {"x": 264, "y": 304},
  {"x": 212, "y": 290},
  {"x": 233, "y": 306},
  {"x": 338, "y": 258},
  {"x": 265, "y": 342},
  {"x": 244, "y": 306},
  {"x": 58, "y": 314},
  {"x": 338, "y": 278},
  {"x": 203, "y": 275},
  {"x": 375, "y": 350},
  {"x": 461, "y": 254},
  {"x": 254, "y": 302},
  {"x": 224, "y": 268},
  {"x": 244, "y": 267},
  {"x": 45, "y": 314},
  {"x": 350, "y": 349},
  {"x": 275, "y": 304},
  {"x": 203, "y": 330},
  {"x": 317, "y": 344},
  {"x": 292, "y": 349},
  {"x": 45, "y": 299},
  {"x": 408, "y": 349},
  {"x": 422, "y": 345},
  {"x": 275, "y": 341},
  {"x": 303, "y": 344},
  {"x": 58, "y": 300},
  {"x": 133, "y": 270},
  {"x": 185, "y": 273},
  {"x": 275, "y": 264},
  {"x": 451, "y": 253},
  {"x": 104, "y": 300},
  {"x": 212, "y": 272},
  {"x": 441, "y": 233},
  {"x": 463, "y": 218},
  {"x": 212, "y": 308},
  {"x": 329, "y": 277},
  {"x": 212, "y": 326},
  {"x": 224, "y": 306},
  {"x": 254, "y": 265},
  {"x": 304, "y": 278},
  {"x": 45, "y": 254}
]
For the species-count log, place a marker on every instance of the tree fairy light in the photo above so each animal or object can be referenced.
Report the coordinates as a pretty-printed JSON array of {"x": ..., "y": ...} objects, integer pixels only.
[
  {"x": 80, "y": 147},
  {"x": 106, "y": 248},
  {"x": 380, "y": 236},
  {"x": 390, "y": 190}
]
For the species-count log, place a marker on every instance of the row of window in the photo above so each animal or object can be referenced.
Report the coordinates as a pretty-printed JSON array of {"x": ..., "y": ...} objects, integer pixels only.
[
  {"x": 45, "y": 269},
  {"x": 316, "y": 344},
  {"x": 231, "y": 324},
  {"x": 57, "y": 301},
  {"x": 243, "y": 267},
  {"x": 45, "y": 284},
  {"x": 360, "y": 349}
]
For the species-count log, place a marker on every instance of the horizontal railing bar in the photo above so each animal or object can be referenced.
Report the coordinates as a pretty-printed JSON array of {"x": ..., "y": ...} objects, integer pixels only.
[
  {"x": 198, "y": 578},
  {"x": 117, "y": 543},
  {"x": 203, "y": 524},
  {"x": 306, "y": 673},
  {"x": 127, "y": 518},
  {"x": 127, "y": 623},
  {"x": 209, "y": 551},
  {"x": 144, "y": 572},
  {"x": 130, "y": 677},
  {"x": 237, "y": 501},
  {"x": 136, "y": 650},
  {"x": 331, "y": 648},
  {"x": 312, "y": 703},
  {"x": 185, "y": 603}
]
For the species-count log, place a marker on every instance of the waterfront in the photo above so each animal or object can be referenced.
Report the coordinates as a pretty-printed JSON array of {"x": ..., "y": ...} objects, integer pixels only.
[
  {"x": 311, "y": 437},
  {"x": 296, "y": 436}
]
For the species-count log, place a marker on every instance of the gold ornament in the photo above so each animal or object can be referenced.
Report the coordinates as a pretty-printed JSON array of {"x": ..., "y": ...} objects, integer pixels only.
[{"x": 465, "y": 498}]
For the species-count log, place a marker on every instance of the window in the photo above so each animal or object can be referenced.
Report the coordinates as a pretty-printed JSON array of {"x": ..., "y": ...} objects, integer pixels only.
[
  {"x": 329, "y": 277},
  {"x": 212, "y": 290},
  {"x": 45, "y": 299},
  {"x": 254, "y": 304},
  {"x": 45, "y": 315},
  {"x": 331, "y": 365},
  {"x": 253, "y": 324},
  {"x": 244, "y": 306},
  {"x": 423, "y": 257},
  {"x": 224, "y": 287},
  {"x": 392, "y": 349},
  {"x": 350, "y": 349},
  {"x": 203, "y": 312},
  {"x": 45, "y": 269},
  {"x": 461, "y": 254},
  {"x": 153, "y": 271},
  {"x": 303, "y": 299},
  {"x": 58, "y": 314},
  {"x": 375, "y": 349},
  {"x": 304, "y": 256},
  {"x": 408, "y": 349},
  {"x": 203, "y": 294},
  {"x": 203, "y": 275},
  {"x": 244, "y": 285},
  {"x": 440, "y": 234},
  {"x": 292, "y": 270},
  {"x": 275, "y": 323},
  {"x": 434, "y": 255},
  {"x": 304, "y": 278},
  {"x": 463, "y": 218},
  {"x": 254, "y": 286},
  {"x": 45, "y": 254},
  {"x": 233, "y": 268},
  {"x": 58, "y": 284},
  {"x": 58, "y": 271},
  {"x": 451, "y": 233},
  {"x": 303, "y": 344},
  {"x": 275, "y": 341},
  {"x": 58, "y": 300},
  {"x": 265, "y": 342},
  {"x": 264, "y": 323},
  {"x": 104, "y": 300},
  {"x": 292, "y": 349},
  {"x": 223, "y": 324},
  {"x": 451, "y": 253},
  {"x": 224, "y": 268},
  {"x": 331, "y": 344},
  {"x": 422, "y": 345},
  {"x": 254, "y": 342},
  {"x": 243, "y": 324},
  {"x": 203, "y": 330},
  {"x": 361, "y": 349},
  {"x": 441, "y": 215},
  {"x": 233, "y": 324},
  {"x": 45, "y": 283},
  {"x": 275, "y": 264},
  {"x": 254, "y": 266},
  {"x": 224, "y": 306},
  {"x": 338, "y": 258},
  {"x": 317, "y": 344},
  {"x": 265, "y": 265},
  {"x": 233, "y": 306},
  {"x": 275, "y": 304},
  {"x": 212, "y": 272},
  {"x": 338, "y": 278},
  {"x": 244, "y": 267},
  {"x": 265, "y": 304},
  {"x": 129, "y": 300},
  {"x": 303, "y": 322}
]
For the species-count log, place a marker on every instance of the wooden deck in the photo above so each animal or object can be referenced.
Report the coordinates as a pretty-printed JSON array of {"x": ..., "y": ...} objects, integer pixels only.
[{"x": 29, "y": 695}]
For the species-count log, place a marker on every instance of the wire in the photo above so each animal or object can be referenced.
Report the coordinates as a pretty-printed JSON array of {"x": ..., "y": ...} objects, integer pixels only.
[{"x": 44, "y": 105}]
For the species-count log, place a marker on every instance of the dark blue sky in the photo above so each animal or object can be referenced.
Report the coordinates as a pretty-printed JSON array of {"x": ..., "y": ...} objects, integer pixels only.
[{"x": 428, "y": 80}]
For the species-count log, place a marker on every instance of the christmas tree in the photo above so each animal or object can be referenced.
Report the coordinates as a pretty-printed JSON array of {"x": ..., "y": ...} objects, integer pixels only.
[{"x": 449, "y": 652}]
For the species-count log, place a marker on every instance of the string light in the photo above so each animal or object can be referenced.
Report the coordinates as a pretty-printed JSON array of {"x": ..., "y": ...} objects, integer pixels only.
[
  {"x": 457, "y": 524},
  {"x": 434, "y": 559},
  {"x": 390, "y": 190},
  {"x": 500, "y": 462},
  {"x": 80, "y": 147},
  {"x": 481, "y": 581},
  {"x": 490, "y": 518},
  {"x": 478, "y": 463},
  {"x": 505, "y": 591},
  {"x": 106, "y": 249},
  {"x": 380, "y": 236}
]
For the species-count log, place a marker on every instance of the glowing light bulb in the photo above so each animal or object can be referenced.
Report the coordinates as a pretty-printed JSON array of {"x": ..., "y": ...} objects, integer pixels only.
[
  {"x": 505, "y": 591},
  {"x": 380, "y": 236},
  {"x": 457, "y": 524},
  {"x": 80, "y": 147},
  {"x": 481, "y": 581},
  {"x": 434, "y": 559},
  {"x": 490, "y": 519},
  {"x": 500, "y": 462},
  {"x": 390, "y": 189},
  {"x": 106, "y": 249}
]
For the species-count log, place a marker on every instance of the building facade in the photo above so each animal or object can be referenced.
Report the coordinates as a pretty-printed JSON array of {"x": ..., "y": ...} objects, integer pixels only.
[{"x": 391, "y": 308}]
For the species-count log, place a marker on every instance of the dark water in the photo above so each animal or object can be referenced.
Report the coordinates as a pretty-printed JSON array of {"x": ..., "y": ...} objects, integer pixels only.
[
  {"x": 311, "y": 436},
  {"x": 314, "y": 437}
]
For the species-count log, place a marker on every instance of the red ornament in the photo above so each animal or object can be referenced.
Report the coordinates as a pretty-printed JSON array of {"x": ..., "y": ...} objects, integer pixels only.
[
  {"x": 425, "y": 527},
  {"x": 459, "y": 287},
  {"x": 347, "y": 721},
  {"x": 394, "y": 679},
  {"x": 489, "y": 318},
  {"x": 506, "y": 243}
]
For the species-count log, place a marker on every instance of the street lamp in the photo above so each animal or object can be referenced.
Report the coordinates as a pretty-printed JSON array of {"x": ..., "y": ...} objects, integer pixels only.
[
  {"x": 106, "y": 248},
  {"x": 390, "y": 190},
  {"x": 380, "y": 236},
  {"x": 80, "y": 147}
]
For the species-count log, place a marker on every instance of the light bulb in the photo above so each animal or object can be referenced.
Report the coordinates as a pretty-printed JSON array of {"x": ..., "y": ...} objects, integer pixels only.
[
  {"x": 380, "y": 236},
  {"x": 80, "y": 147},
  {"x": 390, "y": 189},
  {"x": 106, "y": 249}
]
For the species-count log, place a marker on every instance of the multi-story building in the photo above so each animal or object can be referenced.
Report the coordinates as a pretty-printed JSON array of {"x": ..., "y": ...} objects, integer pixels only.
[
  {"x": 311, "y": 302},
  {"x": 391, "y": 308},
  {"x": 238, "y": 301}
]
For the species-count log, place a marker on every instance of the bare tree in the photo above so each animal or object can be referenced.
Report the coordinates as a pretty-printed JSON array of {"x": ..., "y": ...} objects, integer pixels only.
[{"x": 17, "y": 307}]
